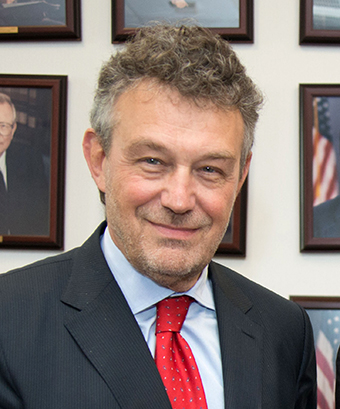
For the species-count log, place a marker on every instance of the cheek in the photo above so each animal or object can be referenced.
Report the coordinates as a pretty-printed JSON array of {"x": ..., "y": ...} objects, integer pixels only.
[
  {"x": 135, "y": 192},
  {"x": 219, "y": 206}
]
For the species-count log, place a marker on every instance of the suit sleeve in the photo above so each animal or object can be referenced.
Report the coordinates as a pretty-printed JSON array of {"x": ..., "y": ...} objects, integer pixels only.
[{"x": 306, "y": 391}]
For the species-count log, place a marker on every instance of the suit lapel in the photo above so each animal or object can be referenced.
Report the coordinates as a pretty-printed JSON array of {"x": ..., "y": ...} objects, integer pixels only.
[
  {"x": 103, "y": 326},
  {"x": 241, "y": 340}
]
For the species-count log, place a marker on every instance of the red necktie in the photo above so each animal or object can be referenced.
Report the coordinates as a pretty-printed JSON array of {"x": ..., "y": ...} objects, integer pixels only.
[{"x": 174, "y": 358}]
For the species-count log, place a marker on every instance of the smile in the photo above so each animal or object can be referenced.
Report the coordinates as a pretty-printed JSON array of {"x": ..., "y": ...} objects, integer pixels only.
[{"x": 173, "y": 232}]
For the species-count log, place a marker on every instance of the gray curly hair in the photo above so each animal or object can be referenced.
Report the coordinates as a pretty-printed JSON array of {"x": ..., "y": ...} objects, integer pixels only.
[{"x": 198, "y": 64}]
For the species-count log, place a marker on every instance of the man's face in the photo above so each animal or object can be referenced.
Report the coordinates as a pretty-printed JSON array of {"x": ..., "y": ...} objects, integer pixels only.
[
  {"x": 6, "y": 117},
  {"x": 170, "y": 179}
]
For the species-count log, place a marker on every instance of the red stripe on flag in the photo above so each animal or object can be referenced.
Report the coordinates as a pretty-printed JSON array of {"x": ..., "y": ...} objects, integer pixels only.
[
  {"x": 325, "y": 180},
  {"x": 327, "y": 153},
  {"x": 331, "y": 191},
  {"x": 322, "y": 402},
  {"x": 325, "y": 366}
]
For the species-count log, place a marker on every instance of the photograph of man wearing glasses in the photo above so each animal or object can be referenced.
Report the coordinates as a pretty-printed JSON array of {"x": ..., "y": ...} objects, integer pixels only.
[{"x": 24, "y": 192}]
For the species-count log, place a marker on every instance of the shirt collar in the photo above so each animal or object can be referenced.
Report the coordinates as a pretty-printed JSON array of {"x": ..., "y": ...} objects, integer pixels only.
[
  {"x": 140, "y": 291},
  {"x": 3, "y": 161},
  {"x": 3, "y": 168}
]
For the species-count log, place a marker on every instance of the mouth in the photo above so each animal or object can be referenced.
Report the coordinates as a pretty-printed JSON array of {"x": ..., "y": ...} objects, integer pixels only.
[{"x": 175, "y": 232}]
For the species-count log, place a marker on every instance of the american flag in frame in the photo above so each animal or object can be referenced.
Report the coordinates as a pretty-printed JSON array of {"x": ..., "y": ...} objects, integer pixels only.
[
  {"x": 324, "y": 313},
  {"x": 319, "y": 167}
]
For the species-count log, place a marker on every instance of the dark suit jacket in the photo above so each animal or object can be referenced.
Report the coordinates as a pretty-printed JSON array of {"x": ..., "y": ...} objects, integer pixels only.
[
  {"x": 28, "y": 193},
  {"x": 69, "y": 340},
  {"x": 326, "y": 219},
  {"x": 337, "y": 385}
]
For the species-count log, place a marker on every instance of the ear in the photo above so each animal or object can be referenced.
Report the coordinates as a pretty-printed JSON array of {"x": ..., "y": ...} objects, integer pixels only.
[
  {"x": 95, "y": 158},
  {"x": 244, "y": 172},
  {"x": 13, "y": 131}
]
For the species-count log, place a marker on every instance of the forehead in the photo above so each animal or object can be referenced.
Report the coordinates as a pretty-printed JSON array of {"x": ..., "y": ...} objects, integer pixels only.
[
  {"x": 6, "y": 113},
  {"x": 149, "y": 92},
  {"x": 150, "y": 107}
]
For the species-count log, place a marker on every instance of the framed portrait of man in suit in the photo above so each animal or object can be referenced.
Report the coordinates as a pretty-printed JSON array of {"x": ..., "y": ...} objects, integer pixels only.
[
  {"x": 232, "y": 19},
  {"x": 32, "y": 160},
  {"x": 320, "y": 167},
  {"x": 40, "y": 20}
]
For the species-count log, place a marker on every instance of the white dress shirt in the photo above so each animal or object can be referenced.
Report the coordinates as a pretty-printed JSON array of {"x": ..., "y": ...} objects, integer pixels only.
[{"x": 3, "y": 168}]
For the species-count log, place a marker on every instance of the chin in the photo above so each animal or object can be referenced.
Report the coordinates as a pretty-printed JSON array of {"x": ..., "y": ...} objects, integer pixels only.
[{"x": 172, "y": 261}]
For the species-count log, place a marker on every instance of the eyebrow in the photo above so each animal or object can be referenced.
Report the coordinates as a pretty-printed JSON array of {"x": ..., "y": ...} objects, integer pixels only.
[
  {"x": 136, "y": 146},
  {"x": 218, "y": 156}
]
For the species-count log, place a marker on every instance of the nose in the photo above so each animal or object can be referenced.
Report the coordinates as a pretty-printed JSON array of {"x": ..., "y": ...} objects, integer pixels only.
[{"x": 179, "y": 193}]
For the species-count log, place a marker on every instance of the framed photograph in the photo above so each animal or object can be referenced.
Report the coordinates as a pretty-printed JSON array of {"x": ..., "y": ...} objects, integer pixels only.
[
  {"x": 39, "y": 20},
  {"x": 32, "y": 160},
  {"x": 232, "y": 19},
  {"x": 234, "y": 240},
  {"x": 319, "y": 22},
  {"x": 324, "y": 313},
  {"x": 319, "y": 167}
]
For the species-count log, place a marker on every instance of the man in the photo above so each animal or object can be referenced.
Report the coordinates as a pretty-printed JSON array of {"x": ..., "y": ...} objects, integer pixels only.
[
  {"x": 170, "y": 146},
  {"x": 24, "y": 193}
]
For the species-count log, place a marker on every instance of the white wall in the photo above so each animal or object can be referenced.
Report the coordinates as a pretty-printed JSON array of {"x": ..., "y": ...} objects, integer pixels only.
[{"x": 278, "y": 64}]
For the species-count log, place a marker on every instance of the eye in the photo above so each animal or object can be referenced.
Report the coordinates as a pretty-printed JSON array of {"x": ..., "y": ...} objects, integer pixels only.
[
  {"x": 209, "y": 169},
  {"x": 151, "y": 166},
  {"x": 152, "y": 161},
  {"x": 212, "y": 173},
  {"x": 212, "y": 170}
]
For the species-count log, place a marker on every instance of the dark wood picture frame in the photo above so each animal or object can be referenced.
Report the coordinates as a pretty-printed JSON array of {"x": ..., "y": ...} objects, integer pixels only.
[
  {"x": 317, "y": 302},
  {"x": 311, "y": 35},
  {"x": 71, "y": 30},
  {"x": 324, "y": 313},
  {"x": 234, "y": 241},
  {"x": 242, "y": 34},
  {"x": 309, "y": 93},
  {"x": 49, "y": 92}
]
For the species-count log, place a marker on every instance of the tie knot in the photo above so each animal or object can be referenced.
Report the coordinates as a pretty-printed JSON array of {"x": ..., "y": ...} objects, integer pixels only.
[{"x": 171, "y": 313}]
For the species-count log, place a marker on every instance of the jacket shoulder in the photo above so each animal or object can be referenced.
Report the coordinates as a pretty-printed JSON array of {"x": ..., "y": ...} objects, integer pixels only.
[
  {"x": 250, "y": 295},
  {"x": 40, "y": 277}
]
